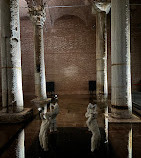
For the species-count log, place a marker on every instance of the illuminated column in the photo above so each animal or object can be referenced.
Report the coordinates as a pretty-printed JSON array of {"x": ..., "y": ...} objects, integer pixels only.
[
  {"x": 12, "y": 94},
  {"x": 101, "y": 10},
  {"x": 121, "y": 103},
  {"x": 20, "y": 148},
  {"x": 130, "y": 143},
  {"x": 38, "y": 17}
]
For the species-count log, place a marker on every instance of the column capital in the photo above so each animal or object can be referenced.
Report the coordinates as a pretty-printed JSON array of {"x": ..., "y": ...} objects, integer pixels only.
[
  {"x": 37, "y": 12},
  {"x": 98, "y": 7}
]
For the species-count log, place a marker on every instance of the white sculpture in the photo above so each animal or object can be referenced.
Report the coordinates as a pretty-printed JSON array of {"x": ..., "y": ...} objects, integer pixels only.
[
  {"x": 91, "y": 122},
  {"x": 48, "y": 123},
  {"x": 43, "y": 135},
  {"x": 54, "y": 110}
]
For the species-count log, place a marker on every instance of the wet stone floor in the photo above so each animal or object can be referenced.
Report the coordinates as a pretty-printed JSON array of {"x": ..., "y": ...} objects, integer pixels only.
[{"x": 73, "y": 138}]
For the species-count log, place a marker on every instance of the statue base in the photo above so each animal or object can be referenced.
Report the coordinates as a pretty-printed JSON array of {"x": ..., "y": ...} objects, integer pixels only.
[{"x": 25, "y": 115}]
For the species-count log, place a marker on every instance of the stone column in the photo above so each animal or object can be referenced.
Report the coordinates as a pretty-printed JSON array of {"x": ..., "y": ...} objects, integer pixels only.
[
  {"x": 101, "y": 9},
  {"x": 121, "y": 103},
  {"x": 12, "y": 94},
  {"x": 38, "y": 17}
]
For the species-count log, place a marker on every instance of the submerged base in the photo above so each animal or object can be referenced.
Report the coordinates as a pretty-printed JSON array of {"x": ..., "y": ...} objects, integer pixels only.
[
  {"x": 133, "y": 119},
  {"x": 23, "y": 116},
  {"x": 121, "y": 113}
]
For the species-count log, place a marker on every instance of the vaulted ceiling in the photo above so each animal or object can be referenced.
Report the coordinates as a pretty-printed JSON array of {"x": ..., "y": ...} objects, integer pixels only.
[
  {"x": 58, "y": 8},
  {"x": 55, "y": 9}
]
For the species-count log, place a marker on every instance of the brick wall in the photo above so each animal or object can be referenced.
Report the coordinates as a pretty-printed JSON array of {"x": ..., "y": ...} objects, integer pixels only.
[
  {"x": 27, "y": 47},
  {"x": 70, "y": 54},
  {"x": 136, "y": 47}
]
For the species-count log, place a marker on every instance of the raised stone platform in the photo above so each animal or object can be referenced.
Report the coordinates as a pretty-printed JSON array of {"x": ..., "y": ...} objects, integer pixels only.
[
  {"x": 134, "y": 119},
  {"x": 23, "y": 116}
]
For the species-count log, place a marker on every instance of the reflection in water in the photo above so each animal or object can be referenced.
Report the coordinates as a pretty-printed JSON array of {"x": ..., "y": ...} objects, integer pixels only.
[
  {"x": 43, "y": 135},
  {"x": 48, "y": 124},
  {"x": 91, "y": 122},
  {"x": 106, "y": 124},
  {"x": 20, "y": 146},
  {"x": 54, "y": 110},
  {"x": 130, "y": 144}
]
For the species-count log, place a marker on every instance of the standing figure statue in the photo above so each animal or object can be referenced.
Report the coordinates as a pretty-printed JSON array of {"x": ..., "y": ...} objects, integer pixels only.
[
  {"x": 92, "y": 124},
  {"x": 44, "y": 130},
  {"x": 48, "y": 122},
  {"x": 54, "y": 110}
]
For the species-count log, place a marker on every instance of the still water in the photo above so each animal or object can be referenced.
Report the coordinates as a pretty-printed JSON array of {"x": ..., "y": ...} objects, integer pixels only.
[{"x": 73, "y": 139}]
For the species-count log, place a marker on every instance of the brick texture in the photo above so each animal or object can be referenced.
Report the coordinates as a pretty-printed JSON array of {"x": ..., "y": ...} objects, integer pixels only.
[{"x": 70, "y": 46}]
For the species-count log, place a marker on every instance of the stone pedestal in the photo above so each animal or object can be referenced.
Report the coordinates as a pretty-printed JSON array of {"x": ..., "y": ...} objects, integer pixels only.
[
  {"x": 133, "y": 119},
  {"x": 39, "y": 103},
  {"x": 121, "y": 103},
  {"x": 23, "y": 116}
]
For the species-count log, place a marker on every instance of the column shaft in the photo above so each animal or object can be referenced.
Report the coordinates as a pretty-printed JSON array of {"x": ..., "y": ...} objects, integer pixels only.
[
  {"x": 40, "y": 81},
  {"x": 12, "y": 94},
  {"x": 37, "y": 14},
  {"x": 101, "y": 57},
  {"x": 120, "y": 60}
]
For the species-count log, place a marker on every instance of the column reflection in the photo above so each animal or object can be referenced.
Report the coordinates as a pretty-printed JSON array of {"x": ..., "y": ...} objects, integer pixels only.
[
  {"x": 106, "y": 124},
  {"x": 130, "y": 145},
  {"x": 20, "y": 149}
]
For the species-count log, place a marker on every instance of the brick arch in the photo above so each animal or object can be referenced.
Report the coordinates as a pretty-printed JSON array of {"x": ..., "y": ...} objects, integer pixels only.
[
  {"x": 70, "y": 14},
  {"x": 82, "y": 12}
]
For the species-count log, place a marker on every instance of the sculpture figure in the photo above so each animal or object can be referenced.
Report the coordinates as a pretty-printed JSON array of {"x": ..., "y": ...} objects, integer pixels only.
[
  {"x": 54, "y": 110},
  {"x": 44, "y": 130},
  {"x": 91, "y": 122},
  {"x": 48, "y": 122}
]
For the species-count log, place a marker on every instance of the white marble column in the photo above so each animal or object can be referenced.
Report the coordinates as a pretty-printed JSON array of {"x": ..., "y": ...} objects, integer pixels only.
[
  {"x": 38, "y": 17},
  {"x": 12, "y": 94},
  {"x": 121, "y": 103},
  {"x": 101, "y": 9}
]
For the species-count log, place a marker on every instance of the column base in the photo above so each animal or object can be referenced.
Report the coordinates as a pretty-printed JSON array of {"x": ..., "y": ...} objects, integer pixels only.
[
  {"x": 12, "y": 109},
  {"x": 133, "y": 119},
  {"x": 23, "y": 116},
  {"x": 41, "y": 102},
  {"x": 121, "y": 113}
]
